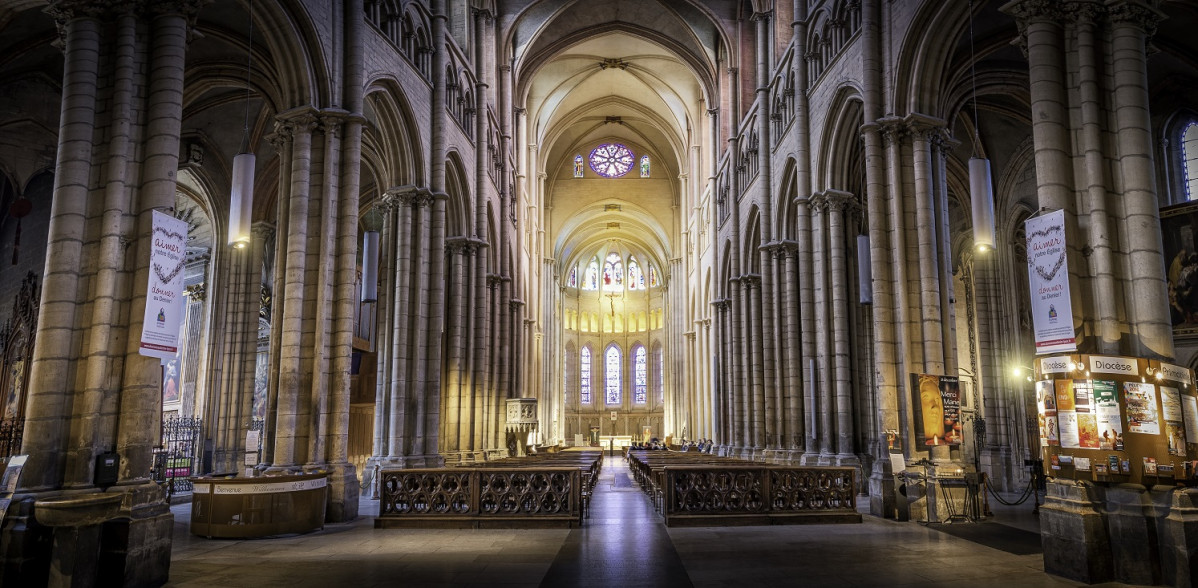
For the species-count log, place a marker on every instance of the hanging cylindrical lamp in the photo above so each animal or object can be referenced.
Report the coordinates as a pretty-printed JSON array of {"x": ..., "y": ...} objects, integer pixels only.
[
  {"x": 241, "y": 200},
  {"x": 370, "y": 266},
  {"x": 241, "y": 193},
  {"x": 864, "y": 271},
  {"x": 982, "y": 201}
]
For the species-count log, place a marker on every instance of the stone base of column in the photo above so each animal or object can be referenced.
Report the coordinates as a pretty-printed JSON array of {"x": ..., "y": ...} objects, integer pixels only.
[
  {"x": 343, "y": 491},
  {"x": 138, "y": 549},
  {"x": 1000, "y": 469},
  {"x": 1131, "y": 521},
  {"x": 882, "y": 492},
  {"x": 1073, "y": 532},
  {"x": 26, "y": 546},
  {"x": 812, "y": 459},
  {"x": 1179, "y": 539}
]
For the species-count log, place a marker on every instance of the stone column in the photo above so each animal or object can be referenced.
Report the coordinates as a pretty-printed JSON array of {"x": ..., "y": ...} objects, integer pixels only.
[
  {"x": 822, "y": 380},
  {"x": 755, "y": 403},
  {"x": 793, "y": 409},
  {"x": 839, "y": 204},
  {"x": 926, "y": 235},
  {"x": 1091, "y": 98},
  {"x": 1041, "y": 26},
  {"x": 288, "y": 412},
  {"x": 1132, "y": 22}
]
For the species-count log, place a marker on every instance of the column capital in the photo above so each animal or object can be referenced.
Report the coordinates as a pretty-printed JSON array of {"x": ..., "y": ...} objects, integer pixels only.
[
  {"x": 838, "y": 201},
  {"x": 922, "y": 126},
  {"x": 262, "y": 230},
  {"x": 1083, "y": 11},
  {"x": 1027, "y": 11},
  {"x": 197, "y": 292},
  {"x": 1134, "y": 13},
  {"x": 817, "y": 202},
  {"x": 751, "y": 281}
]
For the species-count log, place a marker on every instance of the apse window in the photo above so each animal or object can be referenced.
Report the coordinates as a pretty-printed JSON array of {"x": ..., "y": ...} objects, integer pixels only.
[
  {"x": 611, "y": 374},
  {"x": 636, "y": 279},
  {"x": 1189, "y": 159},
  {"x": 584, "y": 376},
  {"x": 644, "y": 166},
  {"x": 640, "y": 373},
  {"x": 612, "y": 160},
  {"x": 578, "y": 166},
  {"x": 613, "y": 272},
  {"x": 590, "y": 280}
]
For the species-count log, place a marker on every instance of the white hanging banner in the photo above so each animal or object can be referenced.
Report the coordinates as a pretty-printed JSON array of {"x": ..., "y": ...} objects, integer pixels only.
[
  {"x": 1048, "y": 279},
  {"x": 164, "y": 293}
]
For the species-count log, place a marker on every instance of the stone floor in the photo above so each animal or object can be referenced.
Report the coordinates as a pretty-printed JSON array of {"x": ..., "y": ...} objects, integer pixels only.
[{"x": 623, "y": 544}]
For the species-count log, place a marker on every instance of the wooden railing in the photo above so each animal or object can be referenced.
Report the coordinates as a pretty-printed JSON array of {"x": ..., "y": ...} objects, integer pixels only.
[
  {"x": 533, "y": 492},
  {"x": 704, "y": 490}
]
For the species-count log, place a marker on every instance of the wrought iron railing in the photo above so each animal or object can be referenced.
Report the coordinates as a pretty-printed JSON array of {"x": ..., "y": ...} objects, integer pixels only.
[
  {"x": 177, "y": 458},
  {"x": 11, "y": 432}
]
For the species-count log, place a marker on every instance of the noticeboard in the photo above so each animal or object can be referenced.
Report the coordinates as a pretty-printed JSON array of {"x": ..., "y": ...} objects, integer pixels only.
[{"x": 1117, "y": 419}]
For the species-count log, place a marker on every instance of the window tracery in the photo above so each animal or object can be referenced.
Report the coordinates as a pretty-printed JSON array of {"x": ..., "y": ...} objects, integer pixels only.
[
  {"x": 611, "y": 374},
  {"x": 611, "y": 160}
]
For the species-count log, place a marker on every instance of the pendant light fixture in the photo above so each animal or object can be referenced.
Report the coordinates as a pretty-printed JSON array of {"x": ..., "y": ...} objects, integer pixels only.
[
  {"x": 981, "y": 191},
  {"x": 864, "y": 271},
  {"x": 370, "y": 259},
  {"x": 241, "y": 194}
]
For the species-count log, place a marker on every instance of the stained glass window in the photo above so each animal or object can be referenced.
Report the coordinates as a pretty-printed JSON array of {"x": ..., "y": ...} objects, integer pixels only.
[
  {"x": 644, "y": 166},
  {"x": 640, "y": 374},
  {"x": 590, "y": 280},
  {"x": 572, "y": 281},
  {"x": 652, "y": 277},
  {"x": 578, "y": 166},
  {"x": 584, "y": 375},
  {"x": 636, "y": 279},
  {"x": 612, "y": 374},
  {"x": 613, "y": 272},
  {"x": 612, "y": 160},
  {"x": 1189, "y": 155},
  {"x": 660, "y": 380}
]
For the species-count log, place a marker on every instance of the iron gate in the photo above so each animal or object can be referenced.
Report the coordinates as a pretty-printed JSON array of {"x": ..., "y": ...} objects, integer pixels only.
[{"x": 179, "y": 455}]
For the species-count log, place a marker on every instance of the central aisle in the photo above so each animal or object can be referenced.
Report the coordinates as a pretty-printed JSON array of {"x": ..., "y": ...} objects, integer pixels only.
[{"x": 624, "y": 542}]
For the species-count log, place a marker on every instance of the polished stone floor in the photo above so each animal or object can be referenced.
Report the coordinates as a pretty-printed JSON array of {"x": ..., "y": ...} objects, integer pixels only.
[{"x": 623, "y": 544}]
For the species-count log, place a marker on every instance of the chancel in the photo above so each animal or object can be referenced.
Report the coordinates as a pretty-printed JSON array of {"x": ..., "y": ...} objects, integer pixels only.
[{"x": 608, "y": 292}]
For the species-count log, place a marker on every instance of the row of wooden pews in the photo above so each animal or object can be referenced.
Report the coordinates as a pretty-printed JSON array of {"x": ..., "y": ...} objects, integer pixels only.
[
  {"x": 546, "y": 490},
  {"x": 696, "y": 489}
]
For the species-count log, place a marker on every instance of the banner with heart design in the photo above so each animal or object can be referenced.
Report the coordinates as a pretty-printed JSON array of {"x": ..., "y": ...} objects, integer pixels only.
[
  {"x": 1048, "y": 280},
  {"x": 165, "y": 304}
]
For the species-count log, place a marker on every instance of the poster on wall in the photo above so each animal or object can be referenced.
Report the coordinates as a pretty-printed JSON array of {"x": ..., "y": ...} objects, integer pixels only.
[
  {"x": 1048, "y": 281},
  {"x": 938, "y": 414},
  {"x": 1174, "y": 421},
  {"x": 1087, "y": 419},
  {"x": 1067, "y": 414},
  {"x": 165, "y": 304},
  {"x": 1046, "y": 406},
  {"x": 1190, "y": 406},
  {"x": 1141, "y": 408},
  {"x": 1110, "y": 425},
  {"x": 1179, "y": 233}
]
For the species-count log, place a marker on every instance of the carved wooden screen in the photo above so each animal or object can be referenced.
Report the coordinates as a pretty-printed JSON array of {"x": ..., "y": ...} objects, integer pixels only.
[{"x": 16, "y": 356}]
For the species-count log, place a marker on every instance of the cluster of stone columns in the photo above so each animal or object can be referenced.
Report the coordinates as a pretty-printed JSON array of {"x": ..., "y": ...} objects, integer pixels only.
[
  {"x": 90, "y": 391},
  {"x": 1090, "y": 57}
]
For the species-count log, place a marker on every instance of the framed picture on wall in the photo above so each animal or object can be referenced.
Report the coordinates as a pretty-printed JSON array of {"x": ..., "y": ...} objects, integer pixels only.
[{"x": 1179, "y": 232}]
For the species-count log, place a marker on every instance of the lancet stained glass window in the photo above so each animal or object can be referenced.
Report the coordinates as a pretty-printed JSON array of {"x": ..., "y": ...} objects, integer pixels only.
[
  {"x": 590, "y": 280},
  {"x": 640, "y": 374},
  {"x": 612, "y": 160},
  {"x": 652, "y": 277},
  {"x": 611, "y": 374},
  {"x": 644, "y": 166},
  {"x": 636, "y": 279},
  {"x": 578, "y": 166},
  {"x": 1189, "y": 159},
  {"x": 584, "y": 376},
  {"x": 572, "y": 281},
  {"x": 613, "y": 272}
]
